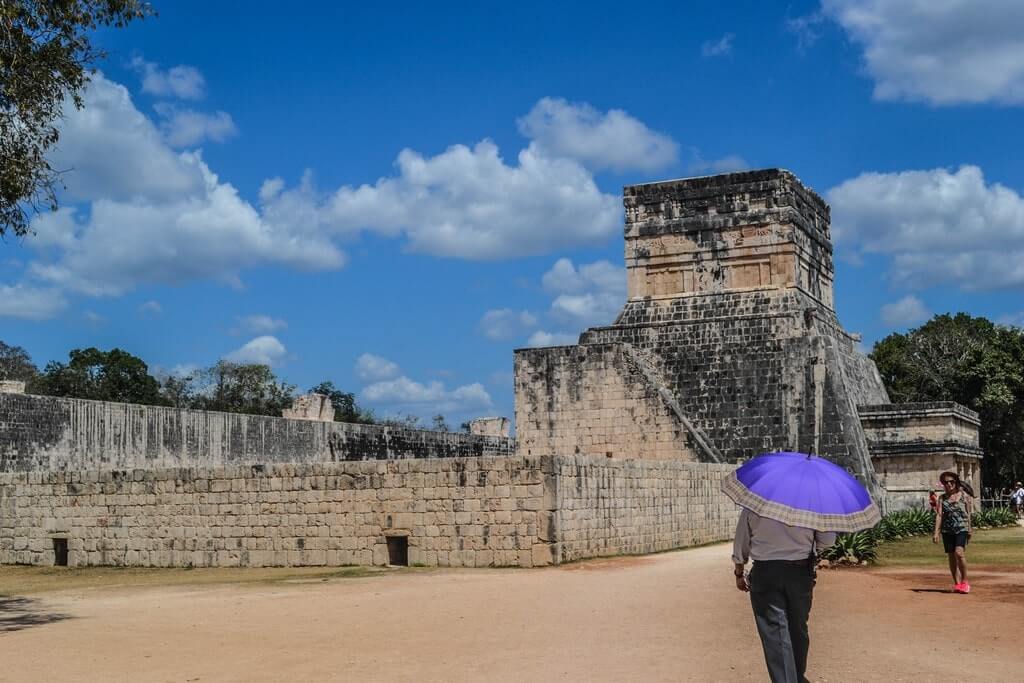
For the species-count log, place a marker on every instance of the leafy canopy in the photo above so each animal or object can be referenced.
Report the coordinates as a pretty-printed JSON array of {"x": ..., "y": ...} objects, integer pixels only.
[
  {"x": 16, "y": 364},
  {"x": 972, "y": 361},
  {"x": 113, "y": 375},
  {"x": 45, "y": 52}
]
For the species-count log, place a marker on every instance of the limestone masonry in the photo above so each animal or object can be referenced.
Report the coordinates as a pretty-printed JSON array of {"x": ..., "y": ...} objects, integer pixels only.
[{"x": 727, "y": 347}]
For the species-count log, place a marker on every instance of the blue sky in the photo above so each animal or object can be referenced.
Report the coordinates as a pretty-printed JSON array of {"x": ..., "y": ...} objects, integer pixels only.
[{"x": 395, "y": 198}]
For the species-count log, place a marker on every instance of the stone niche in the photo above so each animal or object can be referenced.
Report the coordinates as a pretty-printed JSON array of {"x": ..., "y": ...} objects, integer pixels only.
[
  {"x": 490, "y": 426},
  {"x": 10, "y": 386},
  {"x": 310, "y": 407},
  {"x": 912, "y": 443}
]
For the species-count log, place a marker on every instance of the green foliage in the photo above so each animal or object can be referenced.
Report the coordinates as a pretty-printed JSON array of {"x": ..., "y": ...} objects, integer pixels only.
[
  {"x": 854, "y": 548},
  {"x": 971, "y": 361},
  {"x": 403, "y": 421},
  {"x": 344, "y": 402},
  {"x": 994, "y": 517},
  {"x": 16, "y": 364},
  {"x": 113, "y": 375},
  {"x": 904, "y": 524},
  {"x": 863, "y": 546},
  {"x": 242, "y": 388},
  {"x": 45, "y": 51}
]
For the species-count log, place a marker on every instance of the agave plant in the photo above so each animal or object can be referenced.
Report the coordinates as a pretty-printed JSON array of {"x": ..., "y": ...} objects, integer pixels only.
[
  {"x": 994, "y": 517},
  {"x": 854, "y": 548}
]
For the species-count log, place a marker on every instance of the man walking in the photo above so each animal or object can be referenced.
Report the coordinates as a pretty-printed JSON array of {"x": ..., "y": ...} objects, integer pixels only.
[{"x": 781, "y": 584}]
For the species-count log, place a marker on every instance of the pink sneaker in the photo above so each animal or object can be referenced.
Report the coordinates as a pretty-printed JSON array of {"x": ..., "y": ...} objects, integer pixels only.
[
  {"x": 958, "y": 588},
  {"x": 965, "y": 587}
]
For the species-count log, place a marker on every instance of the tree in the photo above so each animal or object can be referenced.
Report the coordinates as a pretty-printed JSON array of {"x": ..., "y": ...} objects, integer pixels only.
[
  {"x": 113, "y": 375},
  {"x": 45, "y": 55},
  {"x": 16, "y": 364},
  {"x": 243, "y": 388},
  {"x": 178, "y": 391},
  {"x": 345, "y": 407},
  {"x": 971, "y": 361},
  {"x": 438, "y": 423}
]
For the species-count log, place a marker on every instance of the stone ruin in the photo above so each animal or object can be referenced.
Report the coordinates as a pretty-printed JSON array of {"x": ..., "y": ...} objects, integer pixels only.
[
  {"x": 728, "y": 346},
  {"x": 310, "y": 407}
]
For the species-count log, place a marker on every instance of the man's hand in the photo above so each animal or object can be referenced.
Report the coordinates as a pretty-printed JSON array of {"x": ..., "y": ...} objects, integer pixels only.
[
  {"x": 741, "y": 584},
  {"x": 935, "y": 537}
]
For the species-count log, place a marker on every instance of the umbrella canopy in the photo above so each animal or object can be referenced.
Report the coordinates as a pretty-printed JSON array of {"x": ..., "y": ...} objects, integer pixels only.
[{"x": 802, "y": 490}]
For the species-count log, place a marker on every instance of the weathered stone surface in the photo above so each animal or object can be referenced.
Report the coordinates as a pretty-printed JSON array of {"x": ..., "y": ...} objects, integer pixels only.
[
  {"x": 911, "y": 443},
  {"x": 490, "y": 426},
  {"x": 50, "y": 433},
  {"x": 310, "y": 407},
  {"x": 554, "y": 509},
  {"x": 10, "y": 386},
  {"x": 728, "y": 345}
]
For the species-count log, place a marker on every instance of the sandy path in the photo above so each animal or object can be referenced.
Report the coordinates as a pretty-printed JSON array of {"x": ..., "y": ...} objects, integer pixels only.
[{"x": 669, "y": 617}]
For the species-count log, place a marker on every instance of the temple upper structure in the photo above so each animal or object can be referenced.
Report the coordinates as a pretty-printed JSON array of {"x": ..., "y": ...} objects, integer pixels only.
[{"x": 728, "y": 344}]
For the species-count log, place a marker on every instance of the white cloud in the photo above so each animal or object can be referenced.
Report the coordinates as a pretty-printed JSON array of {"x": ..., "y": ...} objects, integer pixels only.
[
  {"x": 544, "y": 338},
  {"x": 110, "y": 150},
  {"x": 612, "y": 140},
  {"x": 187, "y": 127},
  {"x": 948, "y": 52},
  {"x": 150, "y": 215},
  {"x": 30, "y": 303},
  {"x": 405, "y": 395},
  {"x": 504, "y": 323},
  {"x": 156, "y": 216},
  {"x": 371, "y": 368},
  {"x": 93, "y": 318},
  {"x": 1014, "y": 319},
  {"x": 395, "y": 393},
  {"x": 258, "y": 324},
  {"x": 151, "y": 308},
  {"x": 807, "y": 30},
  {"x": 265, "y": 350},
  {"x": 938, "y": 226},
  {"x": 468, "y": 203},
  {"x": 591, "y": 295},
  {"x": 718, "y": 48},
  {"x": 181, "y": 81},
  {"x": 907, "y": 311}
]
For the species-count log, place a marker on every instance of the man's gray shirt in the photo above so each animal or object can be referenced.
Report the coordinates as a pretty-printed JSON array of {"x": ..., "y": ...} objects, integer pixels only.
[{"x": 760, "y": 538}]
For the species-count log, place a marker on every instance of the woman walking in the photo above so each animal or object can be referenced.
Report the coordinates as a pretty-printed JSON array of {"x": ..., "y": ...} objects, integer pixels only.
[{"x": 953, "y": 522}]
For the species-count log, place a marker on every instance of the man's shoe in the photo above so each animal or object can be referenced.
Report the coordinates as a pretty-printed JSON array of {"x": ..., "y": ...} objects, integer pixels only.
[
  {"x": 958, "y": 588},
  {"x": 965, "y": 587}
]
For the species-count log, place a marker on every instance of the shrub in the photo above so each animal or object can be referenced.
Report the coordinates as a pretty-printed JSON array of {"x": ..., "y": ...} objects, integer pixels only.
[
  {"x": 994, "y": 517},
  {"x": 854, "y": 548}
]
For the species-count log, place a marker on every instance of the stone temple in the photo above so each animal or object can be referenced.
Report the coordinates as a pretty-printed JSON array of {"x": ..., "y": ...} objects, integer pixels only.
[{"x": 727, "y": 346}]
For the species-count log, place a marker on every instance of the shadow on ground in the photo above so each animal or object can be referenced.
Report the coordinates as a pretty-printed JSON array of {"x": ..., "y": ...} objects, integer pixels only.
[{"x": 20, "y": 613}]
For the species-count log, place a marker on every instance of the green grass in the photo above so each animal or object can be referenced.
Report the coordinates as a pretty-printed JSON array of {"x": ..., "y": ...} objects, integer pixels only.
[
  {"x": 24, "y": 580},
  {"x": 995, "y": 547}
]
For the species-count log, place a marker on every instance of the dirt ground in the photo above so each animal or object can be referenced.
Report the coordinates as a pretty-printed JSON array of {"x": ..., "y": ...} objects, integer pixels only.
[{"x": 670, "y": 617}]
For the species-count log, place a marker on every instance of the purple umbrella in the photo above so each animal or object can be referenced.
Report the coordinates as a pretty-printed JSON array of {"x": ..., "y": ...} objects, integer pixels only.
[{"x": 802, "y": 490}]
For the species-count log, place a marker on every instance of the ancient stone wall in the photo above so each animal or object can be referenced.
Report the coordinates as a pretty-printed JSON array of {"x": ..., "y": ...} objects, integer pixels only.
[
  {"x": 483, "y": 511},
  {"x": 730, "y": 298},
  {"x": 593, "y": 400},
  {"x": 49, "y": 433},
  {"x": 911, "y": 443},
  {"x": 612, "y": 507},
  {"x": 454, "y": 512}
]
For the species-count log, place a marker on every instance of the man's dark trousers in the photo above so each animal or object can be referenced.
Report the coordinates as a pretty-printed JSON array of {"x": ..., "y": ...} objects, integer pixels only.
[{"x": 780, "y": 593}]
